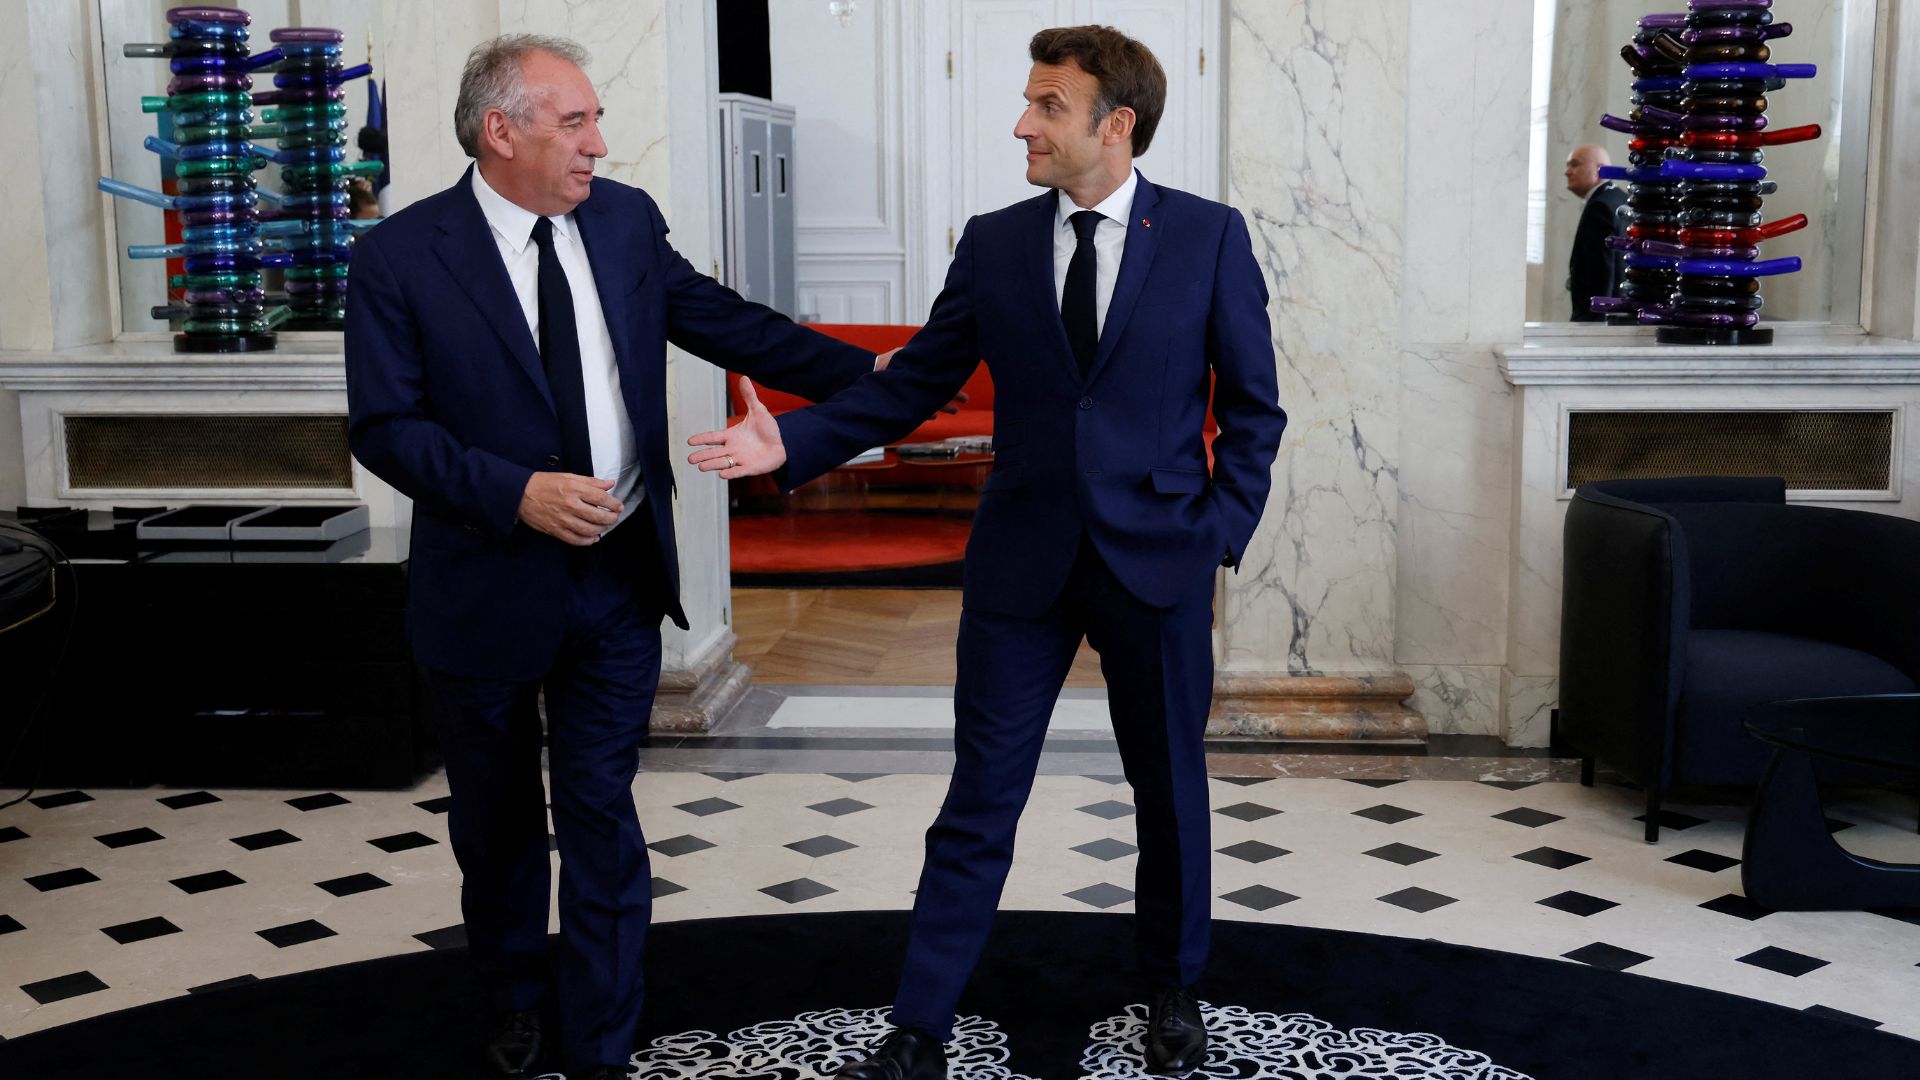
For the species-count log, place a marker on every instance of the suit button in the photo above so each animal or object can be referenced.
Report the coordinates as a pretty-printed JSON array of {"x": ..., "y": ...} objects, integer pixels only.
[
  {"x": 553, "y": 459},
  {"x": 1086, "y": 403}
]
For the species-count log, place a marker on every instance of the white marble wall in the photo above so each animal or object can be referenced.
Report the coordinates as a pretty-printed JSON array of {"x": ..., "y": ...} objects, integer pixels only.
[{"x": 1317, "y": 101}]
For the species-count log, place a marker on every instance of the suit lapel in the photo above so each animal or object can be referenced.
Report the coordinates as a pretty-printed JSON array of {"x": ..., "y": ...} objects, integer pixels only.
[
  {"x": 1038, "y": 237},
  {"x": 466, "y": 246},
  {"x": 1136, "y": 257},
  {"x": 614, "y": 276}
]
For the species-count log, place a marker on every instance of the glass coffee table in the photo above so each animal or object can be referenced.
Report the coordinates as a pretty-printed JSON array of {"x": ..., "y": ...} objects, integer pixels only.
[{"x": 1791, "y": 862}]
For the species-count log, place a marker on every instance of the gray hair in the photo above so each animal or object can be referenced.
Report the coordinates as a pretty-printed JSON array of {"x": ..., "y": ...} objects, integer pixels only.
[{"x": 493, "y": 79}]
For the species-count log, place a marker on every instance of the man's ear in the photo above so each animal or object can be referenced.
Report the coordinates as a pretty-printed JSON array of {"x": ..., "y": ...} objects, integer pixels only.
[
  {"x": 1117, "y": 127},
  {"x": 493, "y": 132}
]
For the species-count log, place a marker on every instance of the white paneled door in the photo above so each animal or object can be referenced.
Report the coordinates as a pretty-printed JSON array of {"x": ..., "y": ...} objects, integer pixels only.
[{"x": 971, "y": 150}]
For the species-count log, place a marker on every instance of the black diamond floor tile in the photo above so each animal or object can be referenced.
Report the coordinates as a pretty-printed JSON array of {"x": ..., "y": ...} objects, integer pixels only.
[
  {"x": 187, "y": 799},
  {"x": 1106, "y": 849},
  {"x": 856, "y": 777},
  {"x": 798, "y": 890},
  {"x": 299, "y": 933},
  {"x": 8, "y": 924},
  {"x": 1905, "y": 915},
  {"x": 1529, "y": 817},
  {"x": 447, "y": 937},
  {"x": 436, "y": 806},
  {"x": 1420, "y": 900},
  {"x": 1246, "y": 811},
  {"x": 1738, "y": 906},
  {"x": 262, "y": 840},
  {"x": 1698, "y": 859},
  {"x": 664, "y": 888},
  {"x": 730, "y": 777},
  {"x": 1835, "y": 825},
  {"x": 1404, "y": 854},
  {"x": 1785, "y": 961},
  {"x": 405, "y": 841},
  {"x": 1607, "y": 957},
  {"x": 129, "y": 837},
  {"x": 60, "y": 798},
  {"x": 306, "y": 803},
  {"x": 140, "y": 930},
  {"x": 62, "y": 879},
  {"x": 1844, "y": 1017},
  {"x": 1110, "y": 809},
  {"x": 1103, "y": 895},
  {"x": 1387, "y": 814},
  {"x": 708, "y": 807},
  {"x": 11, "y": 833},
  {"x": 1259, "y": 897},
  {"x": 1243, "y": 781},
  {"x": 1577, "y": 903},
  {"x": 1253, "y": 851},
  {"x": 48, "y": 991},
  {"x": 352, "y": 884},
  {"x": 675, "y": 846},
  {"x": 1510, "y": 785},
  {"x": 223, "y": 984},
  {"x": 1673, "y": 819},
  {"x": 841, "y": 807},
  {"x": 1551, "y": 857},
  {"x": 1373, "y": 783},
  {"x": 821, "y": 846},
  {"x": 199, "y": 883}
]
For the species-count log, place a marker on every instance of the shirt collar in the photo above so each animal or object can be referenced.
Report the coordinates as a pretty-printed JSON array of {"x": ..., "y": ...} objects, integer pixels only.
[
  {"x": 1114, "y": 207},
  {"x": 512, "y": 221}
]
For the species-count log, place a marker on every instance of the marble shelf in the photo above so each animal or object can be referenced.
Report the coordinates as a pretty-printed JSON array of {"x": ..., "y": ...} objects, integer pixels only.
[{"x": 1632, "y": 357}]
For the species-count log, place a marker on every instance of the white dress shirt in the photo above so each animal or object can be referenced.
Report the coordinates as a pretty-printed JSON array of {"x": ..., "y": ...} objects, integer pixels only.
[
  {"x": 1109, "y": 242},
  {"x": 616, "y": 453}
]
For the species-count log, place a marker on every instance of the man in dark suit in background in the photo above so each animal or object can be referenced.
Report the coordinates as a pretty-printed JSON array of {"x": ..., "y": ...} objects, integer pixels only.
[
  {"x": 1594, "y": 268},
  {"x": 506, "y": 351},
  {"x": 1110, "y": 311}
]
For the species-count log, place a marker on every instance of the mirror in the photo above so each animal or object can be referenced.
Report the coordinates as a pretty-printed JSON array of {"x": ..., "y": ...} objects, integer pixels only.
[{"x": 1578, "y": 75}]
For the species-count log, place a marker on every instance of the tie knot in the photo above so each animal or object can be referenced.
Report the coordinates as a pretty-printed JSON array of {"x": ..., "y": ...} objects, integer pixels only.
[
  {"x": 543, "y": 233},
  {"x": 1084, "y": 222}
]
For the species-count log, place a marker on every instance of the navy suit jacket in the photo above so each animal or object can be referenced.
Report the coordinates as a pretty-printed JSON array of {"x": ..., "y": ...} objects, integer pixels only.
[
  {"x": 447, "y": 400},
  {"x": 1117, "y": 456}
]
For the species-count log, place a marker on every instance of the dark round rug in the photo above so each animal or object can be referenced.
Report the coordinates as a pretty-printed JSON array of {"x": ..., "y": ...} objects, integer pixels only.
[{"x": 784, "y": 997}]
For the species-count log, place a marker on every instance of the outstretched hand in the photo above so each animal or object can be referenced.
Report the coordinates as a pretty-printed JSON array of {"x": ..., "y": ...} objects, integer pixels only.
[{"x": 751, "y": 447}]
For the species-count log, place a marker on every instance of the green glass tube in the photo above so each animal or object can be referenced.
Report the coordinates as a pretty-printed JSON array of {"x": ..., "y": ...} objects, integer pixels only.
[
  {"x": 249, "y": 279},
  {"x": 331, "y": 110},
  {"x": 187, "y": 136},
  {"x": 220, "y": 167},
  {"x": 329, "y": 170},
  {"x": 204, "y": 99},
  {"x": 316, "y": 273}
]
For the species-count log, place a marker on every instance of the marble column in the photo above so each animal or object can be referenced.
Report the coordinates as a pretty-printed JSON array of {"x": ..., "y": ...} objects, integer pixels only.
[{"x": 1316, "y": 136}]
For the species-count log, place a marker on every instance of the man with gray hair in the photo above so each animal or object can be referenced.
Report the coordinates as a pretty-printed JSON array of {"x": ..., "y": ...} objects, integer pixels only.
[{"x": 506, "y": 358}]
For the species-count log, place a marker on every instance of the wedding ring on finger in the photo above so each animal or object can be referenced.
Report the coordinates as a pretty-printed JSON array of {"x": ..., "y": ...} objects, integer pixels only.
[{"x": 731, "y": 464}]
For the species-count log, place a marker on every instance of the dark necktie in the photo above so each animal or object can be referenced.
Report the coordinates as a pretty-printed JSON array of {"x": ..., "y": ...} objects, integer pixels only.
[
  {"x": 1077, "y": 300},
  {"x": 560, "y": 353}
]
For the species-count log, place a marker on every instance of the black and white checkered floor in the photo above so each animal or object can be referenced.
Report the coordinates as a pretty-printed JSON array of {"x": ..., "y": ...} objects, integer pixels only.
[{"x": 113, "y": 898}]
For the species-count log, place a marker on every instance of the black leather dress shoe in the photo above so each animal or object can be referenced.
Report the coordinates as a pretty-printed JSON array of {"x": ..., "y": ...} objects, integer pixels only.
[
  {"x": 515, "y": 1044},
  {"x": 1176, "y": 1034},
  {"x": 905, "y": 1054}
]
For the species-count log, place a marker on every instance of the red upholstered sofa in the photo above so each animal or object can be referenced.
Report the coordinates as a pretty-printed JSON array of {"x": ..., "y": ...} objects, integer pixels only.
[{"x": 974, "y": 418}]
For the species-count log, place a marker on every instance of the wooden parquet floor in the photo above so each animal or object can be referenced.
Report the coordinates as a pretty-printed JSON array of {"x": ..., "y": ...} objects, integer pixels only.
[{"x": 859, "y": 637}]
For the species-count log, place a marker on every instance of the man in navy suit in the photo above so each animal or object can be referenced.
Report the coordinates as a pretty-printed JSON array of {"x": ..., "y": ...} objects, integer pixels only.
[
  {"x": 1110, "y": 311},
  {"x": 506, "y": 351}
]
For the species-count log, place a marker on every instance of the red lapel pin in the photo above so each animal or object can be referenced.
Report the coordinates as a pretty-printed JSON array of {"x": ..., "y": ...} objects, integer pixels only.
[{"x": 1145, "y": 223}]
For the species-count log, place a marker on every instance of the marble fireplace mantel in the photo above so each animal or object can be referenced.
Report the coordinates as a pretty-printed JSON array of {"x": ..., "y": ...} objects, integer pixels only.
[
  {"x": 1631, "y": 357},
  {"x": 148, "y": 362}
]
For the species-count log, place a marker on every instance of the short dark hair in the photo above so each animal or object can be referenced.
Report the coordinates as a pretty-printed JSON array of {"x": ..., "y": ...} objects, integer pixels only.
[{"x": 1129, "y": 75}]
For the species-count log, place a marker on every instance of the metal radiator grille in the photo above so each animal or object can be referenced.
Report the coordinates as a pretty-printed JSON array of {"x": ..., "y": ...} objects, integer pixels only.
[
  {"x": 208, "y": 452},
  {"x": 1815, "y": 451}
]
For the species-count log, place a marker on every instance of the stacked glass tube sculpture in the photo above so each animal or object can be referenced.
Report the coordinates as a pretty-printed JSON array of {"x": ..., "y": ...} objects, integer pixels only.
[
  {"x": 308, "y": 117},
  {"x": 227, "y": 237},
  {"x": 1697, "y": 178}
]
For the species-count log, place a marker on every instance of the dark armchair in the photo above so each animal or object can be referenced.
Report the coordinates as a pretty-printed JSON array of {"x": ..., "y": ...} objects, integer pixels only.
[{"x": 1689, "y": 601}]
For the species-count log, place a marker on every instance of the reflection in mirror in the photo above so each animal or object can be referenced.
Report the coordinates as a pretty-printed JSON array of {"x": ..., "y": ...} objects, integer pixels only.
[
  {"x": 1578, "y": 75},
  {"x": 143, "y": 283}
]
